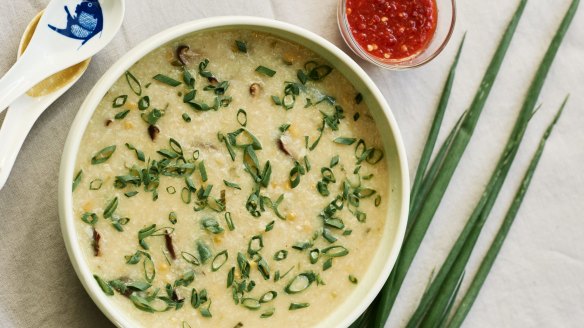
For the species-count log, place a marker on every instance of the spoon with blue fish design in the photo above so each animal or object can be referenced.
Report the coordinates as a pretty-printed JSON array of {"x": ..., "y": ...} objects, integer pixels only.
[
  {"x": 27, "y": 108},
  {"x": 62, "y": 39}
]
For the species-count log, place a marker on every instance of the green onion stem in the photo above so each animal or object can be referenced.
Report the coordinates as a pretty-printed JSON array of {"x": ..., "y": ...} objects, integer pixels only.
[
  {"x": 487, "y": 262},
  {"x": 458, "y": 257},
  {"x": 461, "y": 139},
  {"x": 434, "y": 130}
]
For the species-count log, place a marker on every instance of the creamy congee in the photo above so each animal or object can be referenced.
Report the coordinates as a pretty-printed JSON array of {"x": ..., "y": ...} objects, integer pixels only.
[{"x": 230, "y": 179}]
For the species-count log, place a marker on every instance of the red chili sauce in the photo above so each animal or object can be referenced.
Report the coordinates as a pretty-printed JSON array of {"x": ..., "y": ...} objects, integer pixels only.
[{"x": 392, "y": 29}]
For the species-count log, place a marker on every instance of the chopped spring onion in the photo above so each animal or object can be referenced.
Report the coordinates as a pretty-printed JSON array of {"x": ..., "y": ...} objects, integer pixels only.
[
  {"x": 119, "y": 101},
  {"x": 266, "y": 71},
  {"x": 167, "y": 80},
  {"x": 103, "y": 155}
]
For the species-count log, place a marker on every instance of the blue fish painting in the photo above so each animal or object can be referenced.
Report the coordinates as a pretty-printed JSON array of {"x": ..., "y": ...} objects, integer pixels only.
[{"x": 85, "y": 24}]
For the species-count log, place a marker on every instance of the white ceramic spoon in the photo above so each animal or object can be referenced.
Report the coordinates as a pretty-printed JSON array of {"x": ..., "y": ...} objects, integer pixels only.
[
  {"x": 26, "y": 109},
  {"x": 69, "y": 32}
]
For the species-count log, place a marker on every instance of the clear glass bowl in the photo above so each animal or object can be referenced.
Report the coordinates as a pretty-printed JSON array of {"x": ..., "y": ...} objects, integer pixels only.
[{"x": 446, "y": 18}]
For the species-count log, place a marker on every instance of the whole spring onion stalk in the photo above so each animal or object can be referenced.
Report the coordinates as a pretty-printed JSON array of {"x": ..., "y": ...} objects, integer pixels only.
[
  {"x": 434, "y": 130},
  {"x": 487, "y": 263},
  {"x": 453, "y": 152},
  {"x": 435, "y": 300}
]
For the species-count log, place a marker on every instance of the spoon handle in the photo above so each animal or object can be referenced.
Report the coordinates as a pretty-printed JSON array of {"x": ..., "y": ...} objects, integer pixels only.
[
  {"x": 19, "y": 79},
  {"x": 20, "y": 118}
]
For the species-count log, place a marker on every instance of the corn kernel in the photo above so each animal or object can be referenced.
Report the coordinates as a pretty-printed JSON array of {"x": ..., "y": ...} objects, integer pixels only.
[
  {"x": 87, "y": 206},
  {"x": 131, "y": 105},
  {"x": 163, "y": 268},
  {"x": 293, "y": 131}
]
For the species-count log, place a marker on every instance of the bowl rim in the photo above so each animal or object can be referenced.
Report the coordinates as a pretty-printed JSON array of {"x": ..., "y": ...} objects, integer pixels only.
[{"x": 89, "y": 105}]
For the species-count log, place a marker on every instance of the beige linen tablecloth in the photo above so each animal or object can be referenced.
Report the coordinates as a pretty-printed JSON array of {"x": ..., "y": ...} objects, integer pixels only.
[{"x": 538, "y": 279}]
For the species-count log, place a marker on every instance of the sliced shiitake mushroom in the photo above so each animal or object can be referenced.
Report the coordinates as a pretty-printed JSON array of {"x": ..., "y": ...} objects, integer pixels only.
[
  {"x": 290, "y": 146},
  {"x": 288, "y": 58},
  {"x": 169, "y": 245},
  {"x": 183, "y": 55},
  {"x": 212, "y": 80},
  {"x": 254, "y": 89},
  {"x": 282, "y": 147},
  {"x": 176, "y": 296},
  {"x": 95, "y": 242},
  {"x": 153, "y": 131}
]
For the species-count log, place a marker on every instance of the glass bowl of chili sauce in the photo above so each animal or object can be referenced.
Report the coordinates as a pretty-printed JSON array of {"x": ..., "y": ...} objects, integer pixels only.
[{"x": 397, "y": 34}]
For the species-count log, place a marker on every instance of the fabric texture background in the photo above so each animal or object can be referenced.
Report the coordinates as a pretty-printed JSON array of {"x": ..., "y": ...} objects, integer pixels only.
[{"x": 537, "y": 279}]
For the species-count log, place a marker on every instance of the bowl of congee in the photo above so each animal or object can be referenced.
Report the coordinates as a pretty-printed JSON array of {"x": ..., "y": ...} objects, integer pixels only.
[{"x": 234, "y": 172}]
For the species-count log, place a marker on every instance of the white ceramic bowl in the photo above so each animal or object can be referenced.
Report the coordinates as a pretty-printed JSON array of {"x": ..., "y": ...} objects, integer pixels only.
[{"x": 398, "y": 193}]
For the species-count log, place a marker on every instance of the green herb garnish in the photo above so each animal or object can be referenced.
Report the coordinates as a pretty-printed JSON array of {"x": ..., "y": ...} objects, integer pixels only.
[
  {"x": 345, "y": 141},
  {"x": 231, "y": 184},
  {"x": 229, "y": 221},
  {"x": 243, "y": 265},
  {"x": 327, "y": 264},
  {"x": 211, "y": 225},
  {"x": 190, "y": 258},
  {"x": 268, "y": 297},
  {"x": 251, "y": 303},
  {"x": 139, "y": 153},
  {"x": 203, "y": 171},
  {"x": 266, "y": 71},
  {"x": 297, "y": 306},
  {"x": 334, "y": 161},
  {"x": 241, "y": 46},
  {"x": 77, "y": 180},
  {"x": 270, "y": 226},
  {"x": 316, "y": 72},
  {"x": 242, "y": 117},
  {"x": 119, "y": 101},
  {"x": 89, "y": 218},
  {"x": 152, "y": 116},
  {"x": 300, "y": 282},
  {"x": 219, "y": 260},
  {"x": 144, "y": 103},
  {"x": 281, "y": 255},
  {"x": 110, "y": 208},
  {"x": 188, "y": 78},
  {"x": 103, "y": 155},
  {"x": 167, "y": 80},
  {"x": 297, "y": 171},
  {"x": 256, "y": 243},
  {"x": 172, "y": 217},
  {"x": 95, "y": 184},
  {"x": 264, "y": 269},
  {"x": 133, "y": 83},
  {"x": 151, "y": 231},
  {"x": 204, "y": 251},
  {"x": 268, "y": 313},
  {"x": 314, "y": 255},
  {"x": 121, "y": 115},
  {"x": 107, "y": 289}
]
